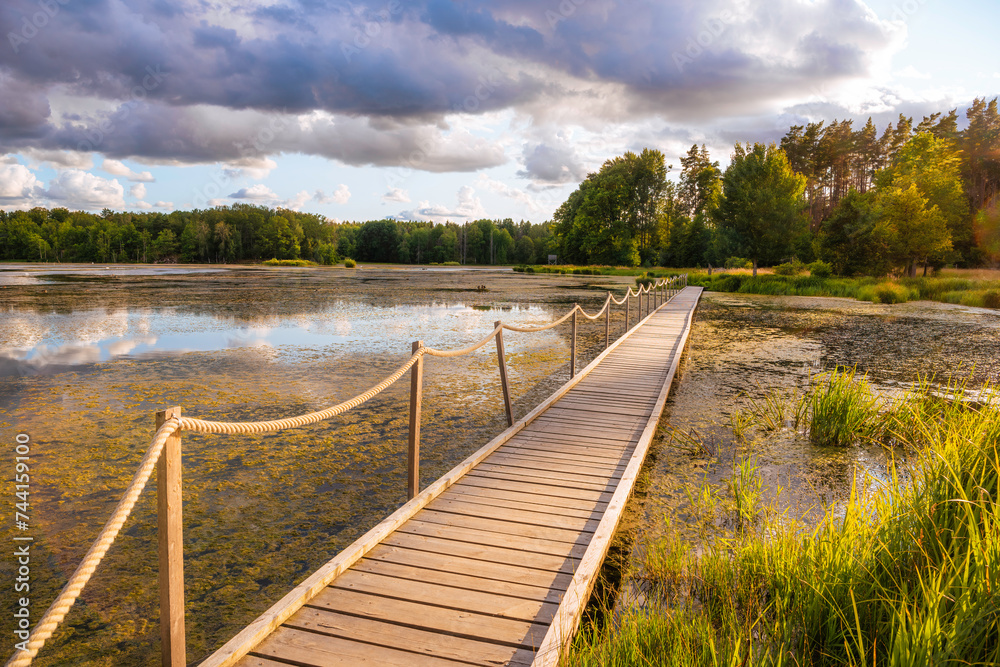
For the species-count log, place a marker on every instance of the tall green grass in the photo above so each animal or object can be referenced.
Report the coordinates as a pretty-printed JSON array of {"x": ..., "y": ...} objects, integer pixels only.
[
  {"x": 905, "y": 572},
  {"x": 977, "y": 293}
]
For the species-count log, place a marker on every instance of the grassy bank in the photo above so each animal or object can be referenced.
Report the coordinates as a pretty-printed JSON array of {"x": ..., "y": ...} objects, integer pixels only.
[
  {"x": 981, "y": 293},
  {"x": 905, "y": 572}
]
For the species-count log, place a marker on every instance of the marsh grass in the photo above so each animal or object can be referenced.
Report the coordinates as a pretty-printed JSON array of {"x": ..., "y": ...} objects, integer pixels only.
[
  {"x": 980, "y": 292},
  {"x": 905, "y": 572}
]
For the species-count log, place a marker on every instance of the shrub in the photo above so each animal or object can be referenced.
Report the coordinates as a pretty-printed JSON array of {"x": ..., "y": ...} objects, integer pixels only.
[
  {"x": 451, "y": 264},
  {"x": 529, "y": 269},
  {"x": 991, "y": 299},
  {"x": 349, "y": 263},
  {"x": 289, "y": 262},
  {"x": 518, "y": 269},
  {"x": 891, "y": 293},
  {"x": 820, "y": 269},
  {"x": 738, "y": 263},
  {"x": 789, "y": 268}
]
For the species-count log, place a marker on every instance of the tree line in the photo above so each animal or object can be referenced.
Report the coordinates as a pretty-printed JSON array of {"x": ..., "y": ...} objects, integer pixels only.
[
  {"x": 865, "y": 202},
  {"x": 250, "y": 233}
]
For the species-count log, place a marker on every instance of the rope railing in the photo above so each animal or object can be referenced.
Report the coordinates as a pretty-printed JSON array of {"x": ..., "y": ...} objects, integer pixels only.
[{"x": 170, "y": 423}]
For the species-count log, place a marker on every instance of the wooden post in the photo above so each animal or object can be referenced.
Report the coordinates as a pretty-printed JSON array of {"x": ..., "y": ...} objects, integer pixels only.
[
  {"x": 170, "y": 529},
  {"x": 628, "y": 303},
  {"x": 413, "y": 449},
  {"x": 607, "y": 323},
  {"x": 572, "y": 352},
  {"x": 503, "y": 375}
]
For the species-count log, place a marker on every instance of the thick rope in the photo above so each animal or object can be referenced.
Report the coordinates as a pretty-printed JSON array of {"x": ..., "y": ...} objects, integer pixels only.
[
  {"x": 511, "y": 327},
  {"x": 598, "y": 313},
  {"x": 189, "y": 424},
  {"x": 458, "y": 353},
  {"x": 71, "y": 591}
]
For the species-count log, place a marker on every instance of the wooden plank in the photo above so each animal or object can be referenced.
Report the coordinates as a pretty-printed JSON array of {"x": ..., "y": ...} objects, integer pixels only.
[
  {"x": 552, "y": 463},
  {"x": 311, "y": 649},
  {"x": 531, "y": 489},
  {"x": 491, "y": 554},
  {"x": 528, "y": 518},
  {"x": 537, "y": 503},
  {"x": 499, "y": 572},
  {"x": 584, "y": 454},
  {"x": 512, "y": 589},
  {"x": 414, "y": 640},
  {"x": 590, "y": 511},
  {"x": 480, "y": 536},
  {"x": 440, "y": 596},
  {"x": 521, "y": 475},
  {"x": 512, "y": 632}
]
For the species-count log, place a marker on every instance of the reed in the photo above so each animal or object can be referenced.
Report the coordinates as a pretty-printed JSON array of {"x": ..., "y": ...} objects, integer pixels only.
[{"x": 906, "y": 572}]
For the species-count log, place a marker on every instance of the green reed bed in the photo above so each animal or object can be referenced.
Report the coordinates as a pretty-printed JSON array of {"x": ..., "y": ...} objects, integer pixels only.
[
  {"x": 905, "y": 572},
  {"x": 968, "y": 292}
]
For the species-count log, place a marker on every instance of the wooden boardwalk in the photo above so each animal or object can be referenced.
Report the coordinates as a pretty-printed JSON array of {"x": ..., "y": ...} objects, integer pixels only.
[{"x": 492, "y": 564}]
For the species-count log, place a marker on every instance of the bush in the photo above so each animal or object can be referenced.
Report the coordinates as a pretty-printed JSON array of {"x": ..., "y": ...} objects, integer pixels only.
[
  {"x": 992, "y": 299},
  {"x": 820, "y": 269},
  {"x": 289, "y": 262},
  {"x": 789, "y": 268},
  {"x": 885, "y": 292},
  {"x": 451, "y": 264},
  {"x": 738, "y": 263},
  {"x": 349, "y": 263},
  {"x": 518, "y": 269},
  {"x": 529, "y": 269}
]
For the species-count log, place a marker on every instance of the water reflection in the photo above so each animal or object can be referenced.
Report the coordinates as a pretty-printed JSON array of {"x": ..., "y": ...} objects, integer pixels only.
[{"x": 32, "y": 343}]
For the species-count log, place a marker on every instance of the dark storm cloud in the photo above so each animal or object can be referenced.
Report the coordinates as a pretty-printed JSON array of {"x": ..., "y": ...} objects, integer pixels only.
[{"x": 411, "y": 62}]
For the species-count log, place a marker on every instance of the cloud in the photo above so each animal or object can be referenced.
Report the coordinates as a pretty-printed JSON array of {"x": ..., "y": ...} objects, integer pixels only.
[
  {"x": 117, "y": 168},
  {"x": 554, "y": 163},
  {"x": 80, "y": 189},
  {"x": 18, "y": 185},
  {"x": 469, "y": 208},
  {"x": 58, "y": 159},
  {"x": 257, "y": 192},
  {"x": 137, "y": 191},
  {"x": 340, "y": 196},
  {"x": 255, "y": 168},
  {"x": 296, "y": 202},
  {"x": 166, "y": 205},
  {"x": 144, "y": 205},
  {"x": 398, "y": 195}
]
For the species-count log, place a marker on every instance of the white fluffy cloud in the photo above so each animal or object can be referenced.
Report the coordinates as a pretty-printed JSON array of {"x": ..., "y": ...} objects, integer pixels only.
[
  {"x": 80, "y": 189},
  {"x": 256, "y": 192},
  {"x": 118, "y": 168},
  {"x": 138, "y": 191},
  {"x": 398, "y": 195},
  {"x": 340, "y": 196},
  {"x": 469, "y": 208},
  {"x": 18, "y": 184}
]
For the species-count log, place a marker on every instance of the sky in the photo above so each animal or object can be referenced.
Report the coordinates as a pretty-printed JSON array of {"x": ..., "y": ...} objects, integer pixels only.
[{"x": 442, "y": 109}]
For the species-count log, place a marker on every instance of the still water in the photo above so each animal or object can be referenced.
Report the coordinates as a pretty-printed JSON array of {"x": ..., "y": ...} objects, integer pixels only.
[{"x": 87, "y": 354}]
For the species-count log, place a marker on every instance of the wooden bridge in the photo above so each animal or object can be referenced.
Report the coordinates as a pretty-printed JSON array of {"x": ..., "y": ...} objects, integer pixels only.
[
  {"x": 490, "y": 565},
  {"x": 493, "y": 564}
]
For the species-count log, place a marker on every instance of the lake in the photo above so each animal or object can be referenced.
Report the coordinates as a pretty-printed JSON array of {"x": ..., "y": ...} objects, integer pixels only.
[{"x": 88, "y": 353}]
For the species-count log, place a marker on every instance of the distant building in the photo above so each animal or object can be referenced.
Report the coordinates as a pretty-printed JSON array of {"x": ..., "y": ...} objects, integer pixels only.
[{"x": 552, "y": 259}]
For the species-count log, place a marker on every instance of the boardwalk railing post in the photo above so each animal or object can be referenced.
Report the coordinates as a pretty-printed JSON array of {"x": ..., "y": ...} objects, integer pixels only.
[
  {"x": 627, "y": 304},
  {"x": 170, "y": 529},
  {"x": 413, "y": 448},
  {"x": 503, "y": 375},
  {"x": 607, "y": 324},
  {"x": 572, "y": 353}
]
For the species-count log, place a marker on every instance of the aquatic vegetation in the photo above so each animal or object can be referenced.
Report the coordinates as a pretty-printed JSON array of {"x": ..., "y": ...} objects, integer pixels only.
[
  {"x": 842, "y": 409},
  {"x": 904, "y": 572}
]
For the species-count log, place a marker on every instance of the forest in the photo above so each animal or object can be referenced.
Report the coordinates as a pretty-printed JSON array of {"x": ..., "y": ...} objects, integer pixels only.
[{"x": 867, "y": 203}]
